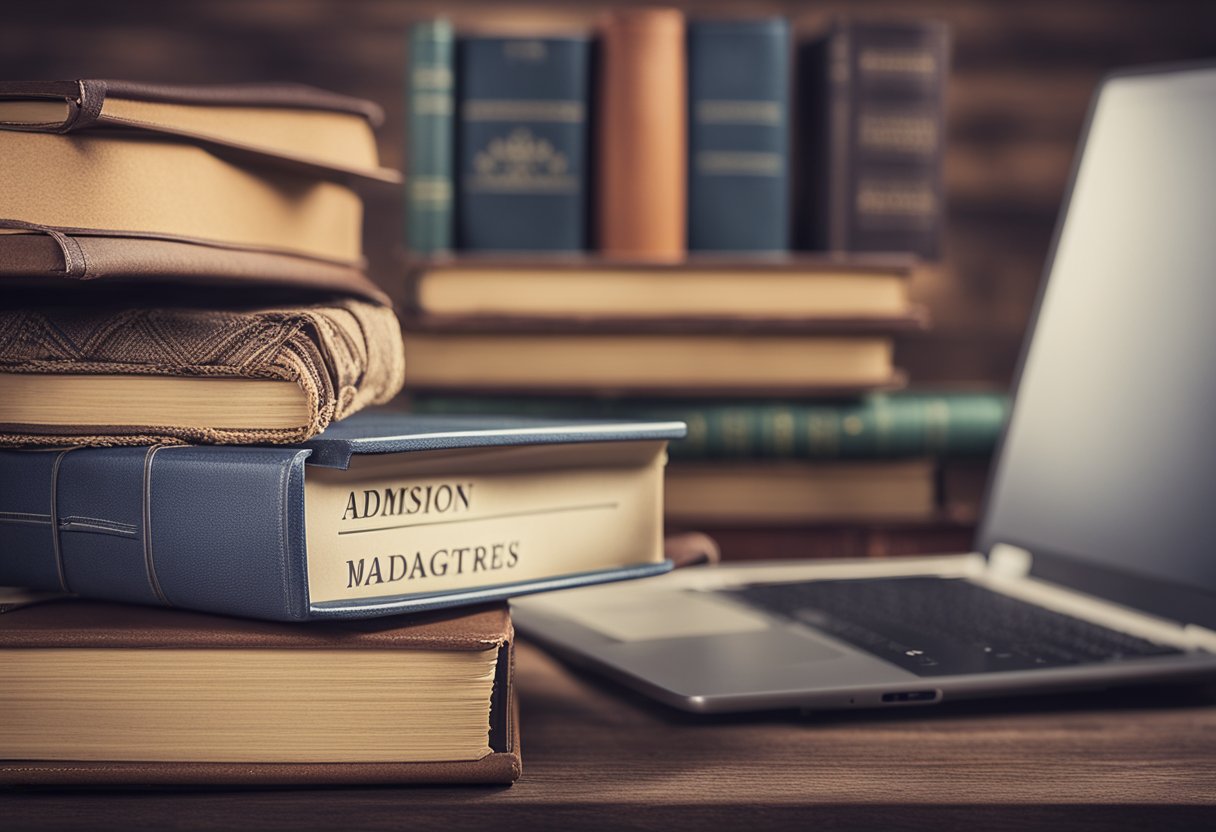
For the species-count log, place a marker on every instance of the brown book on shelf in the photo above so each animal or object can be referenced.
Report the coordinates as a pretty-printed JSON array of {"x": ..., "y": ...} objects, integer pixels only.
[
  {"x": 107, "y": 694},
  {"x": 705, "y": 288},
  {"x": 663, "y": 359},
  {"x": 792, "y": 493},
  {"x": 642, "y": 147}
]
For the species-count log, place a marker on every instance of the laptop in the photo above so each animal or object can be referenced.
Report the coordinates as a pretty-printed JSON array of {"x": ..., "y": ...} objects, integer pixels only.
[{"x": 1095, "y": 560}]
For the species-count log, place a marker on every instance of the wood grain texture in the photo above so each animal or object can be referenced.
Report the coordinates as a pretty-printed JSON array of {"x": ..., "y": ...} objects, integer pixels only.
[{"x": 596, "y": 756}]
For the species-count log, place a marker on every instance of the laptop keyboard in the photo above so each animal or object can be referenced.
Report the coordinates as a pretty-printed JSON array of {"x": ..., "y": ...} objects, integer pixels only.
[{"x": 945, "y": 626}]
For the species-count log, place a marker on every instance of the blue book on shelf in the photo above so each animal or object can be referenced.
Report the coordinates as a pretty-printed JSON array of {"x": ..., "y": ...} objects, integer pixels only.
[
  {"x": 738, "y": 135},
  {"x": 431, "y": 103},
  {"x": 382, "y": 513},
  {"x": 523, "y": 144}
]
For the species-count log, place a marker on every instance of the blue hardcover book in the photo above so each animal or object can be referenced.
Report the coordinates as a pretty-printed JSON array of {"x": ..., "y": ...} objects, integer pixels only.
[
  {"x": 523, "y": 144},
  {"x": 382, "y": 513},
  {"x": 738, "y": 136}
]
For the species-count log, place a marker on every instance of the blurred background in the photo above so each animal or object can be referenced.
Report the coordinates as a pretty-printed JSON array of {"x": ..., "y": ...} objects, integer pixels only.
[{"x": 1021, "y": 75}]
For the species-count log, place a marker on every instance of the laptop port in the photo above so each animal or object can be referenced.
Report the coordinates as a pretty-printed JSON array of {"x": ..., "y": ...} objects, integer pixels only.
[{"x": 910, "y": 696}]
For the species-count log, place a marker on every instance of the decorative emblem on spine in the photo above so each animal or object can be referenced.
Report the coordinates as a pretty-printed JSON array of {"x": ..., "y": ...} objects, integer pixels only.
[{"x": 521, "y": 163}]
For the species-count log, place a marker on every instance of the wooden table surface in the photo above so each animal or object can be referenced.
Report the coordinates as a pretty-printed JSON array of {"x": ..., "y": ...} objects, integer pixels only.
[{"x": 596, "y": 756}]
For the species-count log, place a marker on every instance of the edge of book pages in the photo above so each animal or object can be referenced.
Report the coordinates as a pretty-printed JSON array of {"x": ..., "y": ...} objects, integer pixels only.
[
  {"x": 897, "y": 381},
  {"x": 134, "y": 628},
  {"x": 794, "y": 261},
  {"x": 915, "y": 319},
  {"x": 498, "y": 767}
]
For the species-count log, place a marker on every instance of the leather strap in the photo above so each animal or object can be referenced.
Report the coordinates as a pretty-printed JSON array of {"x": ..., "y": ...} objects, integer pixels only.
[
  {"x": 74, "y": 262},
  {"x": 146, "y": 499},
  {"x": 87, "y": 109},
  {"x": 56, "y": 544}
]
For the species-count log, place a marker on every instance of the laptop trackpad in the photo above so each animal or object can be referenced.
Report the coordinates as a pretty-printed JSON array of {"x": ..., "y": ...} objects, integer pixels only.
[{"x": 647, "y": 617}]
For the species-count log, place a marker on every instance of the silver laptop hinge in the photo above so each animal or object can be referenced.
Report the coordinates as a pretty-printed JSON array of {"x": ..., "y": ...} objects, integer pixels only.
[
  {"x": 1009, "y": 561},
  {"x": 1009, "y": 570}
]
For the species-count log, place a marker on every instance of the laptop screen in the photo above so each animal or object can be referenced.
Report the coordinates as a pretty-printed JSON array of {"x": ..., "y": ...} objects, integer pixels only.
[{"x": 1107, "y": 471}]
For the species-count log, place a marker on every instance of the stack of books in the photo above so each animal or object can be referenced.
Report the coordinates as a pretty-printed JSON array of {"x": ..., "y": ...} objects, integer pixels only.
[
  {"x": 185, "y": 264},
  {"x": 693, "y": 287},
  {"x": 695, "y": 266},
  {"x": 283, "y": 590},
  {"x": 883, "y": 458}
]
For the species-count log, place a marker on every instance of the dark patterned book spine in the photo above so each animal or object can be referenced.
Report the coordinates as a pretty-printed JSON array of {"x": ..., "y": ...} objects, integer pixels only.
[
  {"x": 738, "y": 116},
  {"x": 523, "y": 144},
  {"x": 431, "y": 108},
  {"x": 872, "y": 112}
]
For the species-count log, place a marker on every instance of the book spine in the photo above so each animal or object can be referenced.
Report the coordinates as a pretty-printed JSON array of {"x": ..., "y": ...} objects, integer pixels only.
[
  {"x": 885, "y": 125},
  {"x": 876, "y": 427},
  {"x": 893, "y": 196},
  {"x": 523, "y": 144},
  {"x": 812, "y": 197},
  {"x": 431, "y": 107},
  {"x": 643, "y": 166},
  {"x": 879, "y": 427},
  {"x": 216, "y": 529},
  {"x": 738, "y": 136}
]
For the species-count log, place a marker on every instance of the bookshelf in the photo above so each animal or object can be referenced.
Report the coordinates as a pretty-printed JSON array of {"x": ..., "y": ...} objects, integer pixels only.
[
  {"x": 1021, "y": 77},
  {"x": 1022, "y": 74}
]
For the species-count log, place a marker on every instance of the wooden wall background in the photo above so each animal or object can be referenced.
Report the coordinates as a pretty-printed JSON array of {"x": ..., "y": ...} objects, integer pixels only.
[{"x": 1023, "y": 74}]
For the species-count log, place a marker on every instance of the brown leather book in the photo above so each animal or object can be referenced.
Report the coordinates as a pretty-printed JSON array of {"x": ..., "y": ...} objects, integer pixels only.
[
  {"x": 643, "y": 150},
  {"x": 110, "y": 694},
  {"x": 216, "y": 171},
  {"x": 73, "y": 265},
  {"x": 111, "y": 184},
  {"x": 292, "y": 126},
  {"x": 123, "y": 371}
]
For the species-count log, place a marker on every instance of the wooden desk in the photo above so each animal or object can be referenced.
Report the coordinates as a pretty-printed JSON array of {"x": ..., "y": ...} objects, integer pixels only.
[{"x": 598, "y": 757}]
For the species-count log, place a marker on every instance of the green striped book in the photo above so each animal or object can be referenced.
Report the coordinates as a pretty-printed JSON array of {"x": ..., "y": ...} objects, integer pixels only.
[
  {"x": 881, "y": 425},
  {"x": 430, "y": 145}
]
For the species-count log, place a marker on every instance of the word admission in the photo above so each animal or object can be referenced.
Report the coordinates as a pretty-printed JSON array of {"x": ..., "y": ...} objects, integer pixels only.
[{"x": 444, "y": 498}]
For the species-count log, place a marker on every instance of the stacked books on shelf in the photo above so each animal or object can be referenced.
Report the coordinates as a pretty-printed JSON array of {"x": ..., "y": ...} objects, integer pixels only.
[
  {"x": 186, "y": 342},
  {"x": 655, "y": 137},
  {"x": 185, "y": 264},
  {"x": 811, "y": 325},
  {"x": 697, "y": 268}
]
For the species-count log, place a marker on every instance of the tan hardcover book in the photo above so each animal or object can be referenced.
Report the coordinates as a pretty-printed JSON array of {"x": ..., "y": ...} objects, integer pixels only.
[
  {"x": 107, "y": 694},
  {"x": 650, "y": 363},
  {"x": 643, "y": 153},
  {"x": 289, "y": 125},
  {"x": 118, "y": 185},
  {"x": 698, "y": 289},
  {"x": 790, "y": 493},
  {"x": 88, "y": 375}
]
